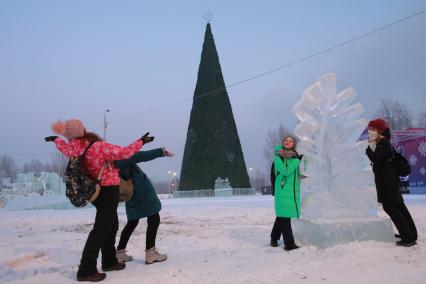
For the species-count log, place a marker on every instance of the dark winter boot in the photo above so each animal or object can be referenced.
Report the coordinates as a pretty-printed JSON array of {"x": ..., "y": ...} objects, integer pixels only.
[
  {"x": 398, "y": 236},
  {"x": 117, "y": 266},
  {"x": 274, "y": 243},
  {"x": 291, "y": 247},
  {"x": 406, "y": 243},
  {"x": 95, "y": 277}
]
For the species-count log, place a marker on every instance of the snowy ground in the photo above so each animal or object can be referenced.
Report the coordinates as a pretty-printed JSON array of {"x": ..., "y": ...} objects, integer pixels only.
[{"x": 208, "y": 240}]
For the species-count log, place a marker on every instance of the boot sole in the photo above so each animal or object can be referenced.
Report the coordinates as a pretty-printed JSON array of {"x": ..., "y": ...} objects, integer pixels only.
[
  {"x": 407, "y": 244},
  {"x": 123, "y": 261},
  {"x": 87, "y": 279},
  {"x": 90, "y": 280},
  {"x": 113, "y": 269},
  {"x": 154, "y": 261}
]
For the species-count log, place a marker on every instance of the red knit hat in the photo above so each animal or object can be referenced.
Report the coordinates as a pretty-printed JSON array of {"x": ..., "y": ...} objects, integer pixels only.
[
  {"x": 378, "y": 124},
  {"x": 72, "y": 128}
]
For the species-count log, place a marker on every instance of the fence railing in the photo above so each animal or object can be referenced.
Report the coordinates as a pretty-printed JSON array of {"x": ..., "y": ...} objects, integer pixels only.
[{"x": 211, "y": 192}]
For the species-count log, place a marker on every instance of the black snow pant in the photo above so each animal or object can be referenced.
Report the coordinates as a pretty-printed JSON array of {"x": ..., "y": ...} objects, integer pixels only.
[
  {"x": 104, "y": 231},
  {"x": 282, "y": 226},
  {"x": 151, "y": 232},
  {"x": 402, "y": 219}
]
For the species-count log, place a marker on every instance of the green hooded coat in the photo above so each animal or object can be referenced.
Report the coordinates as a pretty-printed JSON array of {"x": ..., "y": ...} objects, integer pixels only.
[{"x": 287, "y": 186}]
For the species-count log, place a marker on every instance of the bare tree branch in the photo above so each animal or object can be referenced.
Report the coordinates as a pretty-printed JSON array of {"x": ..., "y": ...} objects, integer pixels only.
[
  {"x": 421, "y": 120},
  {"x": 396, "y": 113},
  {"x": 274, "y": 137},
  {"x": 8, "y": 167}
]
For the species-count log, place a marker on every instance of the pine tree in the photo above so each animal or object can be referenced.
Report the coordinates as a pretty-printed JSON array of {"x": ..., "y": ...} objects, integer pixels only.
[{"x": 212, "y": 146}]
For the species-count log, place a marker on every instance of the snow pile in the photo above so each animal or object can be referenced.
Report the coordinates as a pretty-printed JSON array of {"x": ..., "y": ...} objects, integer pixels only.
[
  {"x": 28, "y": 187},
  {"x": 36, "y": 201}
]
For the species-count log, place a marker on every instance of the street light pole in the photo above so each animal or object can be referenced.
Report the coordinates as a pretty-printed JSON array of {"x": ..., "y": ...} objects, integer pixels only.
[
  {"x": 168, "y": 181},
  {"x": 105, "y": 123},
  {"x": 174, "y": 187}
]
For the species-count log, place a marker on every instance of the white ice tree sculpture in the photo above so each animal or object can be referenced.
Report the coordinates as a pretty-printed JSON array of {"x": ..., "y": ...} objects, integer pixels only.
[{"x": 339, "y": 181}]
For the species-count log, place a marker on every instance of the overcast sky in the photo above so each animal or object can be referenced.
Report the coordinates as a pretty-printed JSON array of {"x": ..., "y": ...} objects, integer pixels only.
[{"x": 75, "y": 59}]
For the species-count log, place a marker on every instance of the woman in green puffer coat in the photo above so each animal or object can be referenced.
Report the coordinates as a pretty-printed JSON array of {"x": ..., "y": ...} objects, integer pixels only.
[
  {"x": 144, "y": 203},
  {"x": 285, "y": 182}
]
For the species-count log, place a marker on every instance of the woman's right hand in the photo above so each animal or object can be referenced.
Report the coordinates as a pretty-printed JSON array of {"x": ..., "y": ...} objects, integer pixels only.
[
  {"x": 146, "y": 139},
  {"x": 167, "y": 153}
]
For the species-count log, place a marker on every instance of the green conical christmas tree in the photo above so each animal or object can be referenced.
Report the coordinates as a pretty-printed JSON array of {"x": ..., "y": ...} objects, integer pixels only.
[{"x": 212, "y": 146}]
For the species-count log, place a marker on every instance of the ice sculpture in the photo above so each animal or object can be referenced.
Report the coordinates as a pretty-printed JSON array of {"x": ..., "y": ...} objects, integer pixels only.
[
  {"x": 339, "y": 202},
  {"x": 222, "y": 187},
  {"x": 48, "y": 184}
]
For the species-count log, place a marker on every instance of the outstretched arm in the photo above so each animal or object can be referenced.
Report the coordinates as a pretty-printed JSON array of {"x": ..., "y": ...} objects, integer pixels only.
[
  {"x": 141, "y": 156},
  {"x": 112, "y": 152},
  {"x": 73, "y": 148}
]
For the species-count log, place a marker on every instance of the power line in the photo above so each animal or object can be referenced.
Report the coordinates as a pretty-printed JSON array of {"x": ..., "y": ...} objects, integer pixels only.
[
  {"x": 323, "y": 51},
  {"x": 30, "y": 154}
]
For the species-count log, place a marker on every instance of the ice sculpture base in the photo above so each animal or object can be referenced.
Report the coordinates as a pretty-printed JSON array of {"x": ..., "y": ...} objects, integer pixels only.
[
  {"x": 325, "y": 233},
  {"x": 223, "y": 192}
]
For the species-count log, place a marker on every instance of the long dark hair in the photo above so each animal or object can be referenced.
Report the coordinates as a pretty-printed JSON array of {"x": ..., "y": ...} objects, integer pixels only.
[
  {"x": 387, "y": 134},
  {"x": 91, "y": 137}
]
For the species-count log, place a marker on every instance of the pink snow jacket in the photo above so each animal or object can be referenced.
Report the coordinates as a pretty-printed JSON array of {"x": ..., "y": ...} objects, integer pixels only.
[{"x": 97, "y": 156}]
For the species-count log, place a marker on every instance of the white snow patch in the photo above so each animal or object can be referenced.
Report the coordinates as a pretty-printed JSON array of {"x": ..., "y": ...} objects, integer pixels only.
[{"x": 208, "y": 240}]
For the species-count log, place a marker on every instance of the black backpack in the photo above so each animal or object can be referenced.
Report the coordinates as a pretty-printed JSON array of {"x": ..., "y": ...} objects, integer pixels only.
[
  {"x": 273, "y": 178},
  {"x": 401, "y": 164},
  {"x": 79, "y": 186}
]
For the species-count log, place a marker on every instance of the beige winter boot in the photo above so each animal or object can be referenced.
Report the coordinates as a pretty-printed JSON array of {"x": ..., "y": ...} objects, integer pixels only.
[
  {"x": 122, "y": 256},
  {"x": 152, "y": 255}
]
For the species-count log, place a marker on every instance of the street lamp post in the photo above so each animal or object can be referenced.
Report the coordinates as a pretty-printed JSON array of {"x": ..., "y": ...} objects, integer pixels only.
[
  {"x": 105, "y": 123},
  {"x": 174, "y": 182},
  {"x": 168, "y": 181}
]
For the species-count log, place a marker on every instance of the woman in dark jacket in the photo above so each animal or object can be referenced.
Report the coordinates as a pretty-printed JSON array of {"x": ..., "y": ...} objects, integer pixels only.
[
  {"x": 381, "y": 155},
  {"x": 144, "y": 203}
]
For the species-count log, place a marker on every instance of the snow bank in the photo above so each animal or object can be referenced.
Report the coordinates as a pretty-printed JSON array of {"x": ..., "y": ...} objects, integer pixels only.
[{"x": 208, "y": 240}]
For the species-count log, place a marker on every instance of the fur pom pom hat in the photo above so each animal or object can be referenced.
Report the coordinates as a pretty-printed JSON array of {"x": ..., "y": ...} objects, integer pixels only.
[
  {"x": 72, "y": 128},
  {"x": 378, "y": 124}
]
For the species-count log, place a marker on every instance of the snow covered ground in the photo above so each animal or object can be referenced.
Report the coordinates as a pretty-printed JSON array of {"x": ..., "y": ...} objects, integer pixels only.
[{"x": 208, "y": 240}]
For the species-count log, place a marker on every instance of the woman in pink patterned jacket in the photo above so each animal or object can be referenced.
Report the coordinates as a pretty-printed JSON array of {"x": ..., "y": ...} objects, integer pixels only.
[{"x": 100, "y": 154}]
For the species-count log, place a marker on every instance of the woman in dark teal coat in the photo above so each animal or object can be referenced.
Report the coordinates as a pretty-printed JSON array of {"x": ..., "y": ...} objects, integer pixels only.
[{"x": 144, "y": 203}]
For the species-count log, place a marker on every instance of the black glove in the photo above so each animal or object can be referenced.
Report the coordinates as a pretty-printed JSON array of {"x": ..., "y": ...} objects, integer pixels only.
[
  {"x": 300, "y": 157},
  {"x": 50, "y": 138},
  {"x": 146, "y": 139}
]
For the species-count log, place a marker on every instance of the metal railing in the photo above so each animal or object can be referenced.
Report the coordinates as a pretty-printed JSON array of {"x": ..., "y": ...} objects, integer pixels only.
[{"x": 211, "y": 192}]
